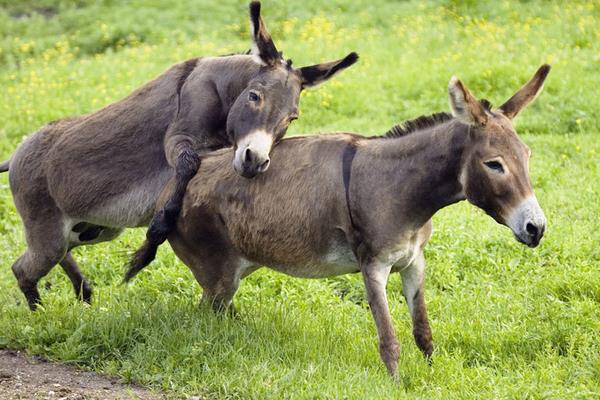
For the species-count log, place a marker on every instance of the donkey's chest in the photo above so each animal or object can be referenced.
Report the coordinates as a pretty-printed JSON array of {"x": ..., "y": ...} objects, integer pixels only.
[
  {"x": 402, "y": 254},
  {"x": 402, "y": 257}
]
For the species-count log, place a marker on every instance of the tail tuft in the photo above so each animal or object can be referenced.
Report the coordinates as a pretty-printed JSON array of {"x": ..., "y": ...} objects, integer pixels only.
[
  {"x": 5, "y": 165},
  {"x": 142, "y": 257}
]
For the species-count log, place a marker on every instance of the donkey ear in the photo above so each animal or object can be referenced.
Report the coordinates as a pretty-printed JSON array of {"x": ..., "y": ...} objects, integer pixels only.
[
  {"x": 464, "y": 106},
  {"x": 526, "y": 94},
  {"x": 262, "y": 44},
  {"x": 317, "y": 74}
]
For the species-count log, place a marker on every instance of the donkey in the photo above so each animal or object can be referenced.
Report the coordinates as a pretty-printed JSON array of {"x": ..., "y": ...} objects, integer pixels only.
[
  {"x": 82, "y": 180},
  {"x": 344, "y": 203}
]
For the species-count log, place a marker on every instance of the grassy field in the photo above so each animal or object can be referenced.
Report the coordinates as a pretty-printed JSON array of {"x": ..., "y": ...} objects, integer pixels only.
[{"x": 508, "y": 321}]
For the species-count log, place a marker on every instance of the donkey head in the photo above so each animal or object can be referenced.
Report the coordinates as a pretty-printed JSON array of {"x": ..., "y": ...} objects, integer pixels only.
[
  {"x": 261, "y": 114},
  {"x": 495, "y": 174}
]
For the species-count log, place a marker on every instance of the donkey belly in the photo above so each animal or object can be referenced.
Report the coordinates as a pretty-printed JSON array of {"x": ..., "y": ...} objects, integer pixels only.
[
  {"x": 132, "y": 208},
  {"x": 337, "y": 260}
]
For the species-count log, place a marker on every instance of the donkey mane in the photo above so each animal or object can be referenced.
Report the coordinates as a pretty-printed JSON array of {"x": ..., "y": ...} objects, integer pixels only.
[
  {"x": 424, "y": 122},
  {"x": 486, "y": 104},
  {"x": 417, "y": 124},
  {"x": 239, "y": 53},
  {"x": 288, "y": 62}
]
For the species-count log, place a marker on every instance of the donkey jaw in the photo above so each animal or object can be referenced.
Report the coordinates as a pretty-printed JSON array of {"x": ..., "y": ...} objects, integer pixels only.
[{"x": 527, "y": 221}]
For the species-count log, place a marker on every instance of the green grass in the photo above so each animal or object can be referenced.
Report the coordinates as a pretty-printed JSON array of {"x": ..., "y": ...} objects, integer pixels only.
[{"x": 508, "y": 321}]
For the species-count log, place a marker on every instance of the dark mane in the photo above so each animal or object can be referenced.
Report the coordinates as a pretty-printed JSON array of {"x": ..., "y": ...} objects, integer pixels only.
[
  {"x": 239, "y": 53},
  {"x": 486, "y": 104},
  {"x": 425, "y": 121},
  {"x": 417, "y": 124},
  {"x": 287, "y": 63}
]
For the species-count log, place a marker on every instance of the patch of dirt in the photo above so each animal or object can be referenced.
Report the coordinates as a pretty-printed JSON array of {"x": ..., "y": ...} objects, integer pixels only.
[{"x": 23, "y": 377}]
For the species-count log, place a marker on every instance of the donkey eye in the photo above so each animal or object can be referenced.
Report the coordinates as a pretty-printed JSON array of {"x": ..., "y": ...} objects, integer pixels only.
[
  {"x": 253, "y": 96},
  {"x": 494, "y": 165}
]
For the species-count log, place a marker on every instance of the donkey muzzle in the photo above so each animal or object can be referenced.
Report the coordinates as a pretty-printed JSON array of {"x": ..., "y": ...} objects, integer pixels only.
[
  {"x": 252, "y": 155},
  {"x": 252, "y": 164},
  {"x": 528, "y": 223}
]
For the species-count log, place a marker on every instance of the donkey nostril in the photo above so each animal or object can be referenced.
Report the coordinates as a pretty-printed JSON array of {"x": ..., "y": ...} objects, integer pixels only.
[
  {"x": 247, "y": 155},
  {"x": 263, "y": 167},
  {"x": 531, "y": 229}
]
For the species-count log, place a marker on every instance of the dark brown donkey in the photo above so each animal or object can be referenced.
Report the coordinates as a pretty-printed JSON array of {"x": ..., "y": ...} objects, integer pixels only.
[
  {"x": 342, "y": 203},
  {"x": 82, "y": 180}
]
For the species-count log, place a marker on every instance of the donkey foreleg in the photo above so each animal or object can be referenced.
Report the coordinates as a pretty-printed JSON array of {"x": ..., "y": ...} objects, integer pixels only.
[
  {"x": 375, "y": 275},
  {"x": 163, "y": 222},
  {"x": 187, "y": 162},
  {"x": 413, "y": 278}
]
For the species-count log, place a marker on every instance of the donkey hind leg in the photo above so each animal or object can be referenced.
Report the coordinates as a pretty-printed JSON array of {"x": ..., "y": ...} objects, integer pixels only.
[
  {"x": 163, "y": 221},
  {"x": 219, "y": 282},
  {"x": 84, "y": 233},
  {"x": 47, "y": 246},
  {"x": 413, "y": 278},
  {"x": 81, "y": 286},
  {"x": 218, "y": 292}
]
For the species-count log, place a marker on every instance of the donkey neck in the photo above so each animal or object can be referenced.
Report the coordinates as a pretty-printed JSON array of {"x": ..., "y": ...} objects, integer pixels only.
[{"x": 422, "y": 170}]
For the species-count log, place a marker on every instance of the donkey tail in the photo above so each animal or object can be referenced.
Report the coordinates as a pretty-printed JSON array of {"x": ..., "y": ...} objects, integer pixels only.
[
  {"x": 165, "y": 220},
  {"x": 4, "y": 166},
  {"x": 161, "y": 225},
  {"x": 142, "y": 257}
]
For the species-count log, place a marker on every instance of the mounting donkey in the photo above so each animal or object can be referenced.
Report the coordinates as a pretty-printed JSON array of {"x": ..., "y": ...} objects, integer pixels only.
[
  {"x": 343, "y": 203},
  {"x": 82, "y": 180}
]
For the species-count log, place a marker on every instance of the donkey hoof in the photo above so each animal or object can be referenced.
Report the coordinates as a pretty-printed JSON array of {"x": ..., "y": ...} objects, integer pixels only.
[
  {"x": 86, "y": 294},
  {"x": 33, "y": 298},
  {"x": 233, "y": 311},
  {"x": 34, "y": 304}
]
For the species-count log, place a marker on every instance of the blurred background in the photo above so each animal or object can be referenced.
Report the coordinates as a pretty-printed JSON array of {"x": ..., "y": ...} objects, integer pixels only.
[
  {"x": 508, "y": 322},
  {"x": 61, "y": 58}
]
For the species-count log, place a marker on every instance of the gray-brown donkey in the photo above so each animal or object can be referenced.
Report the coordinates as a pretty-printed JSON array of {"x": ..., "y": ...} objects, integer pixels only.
[
  {"x": 82, "y": 180},
  {"x": 343, "y": 203}
]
